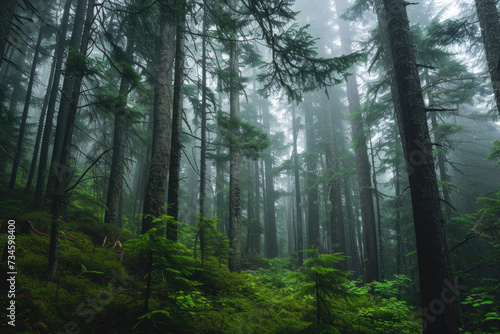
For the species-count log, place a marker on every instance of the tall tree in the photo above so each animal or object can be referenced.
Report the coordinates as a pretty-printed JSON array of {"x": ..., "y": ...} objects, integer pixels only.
[
  {"x": 361, "y": 154},
  {"x": 336, "y": 223},
  {"x": 298, "y": 197},
  {"x": 311, "y": 190},
  {"x": 115, "y": 184},
  {"x": 176, "y": 144},
  {"x": 234, "y": 261},
  {"x": 70, "y": 91},
  {"x": 27, "y": 101},
  {"x": 203, "y": 126},
  {"x": 62, "y": 179},
  {"x": 489, "y": 21},
  {"x": 434, "y": 266},
  {"x": 47, "y": 133},
  {"x": 270, "y": 216},
  {"x": 162, "y": 120},
  {"x": 39, "y": 132}
]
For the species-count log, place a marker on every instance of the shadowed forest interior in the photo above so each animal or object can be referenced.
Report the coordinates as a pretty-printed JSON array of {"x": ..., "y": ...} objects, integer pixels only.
[{"x": 250, "y": 166}]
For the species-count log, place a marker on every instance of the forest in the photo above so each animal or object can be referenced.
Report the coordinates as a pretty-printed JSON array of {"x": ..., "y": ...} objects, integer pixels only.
[{"x": 250, "y": 166}]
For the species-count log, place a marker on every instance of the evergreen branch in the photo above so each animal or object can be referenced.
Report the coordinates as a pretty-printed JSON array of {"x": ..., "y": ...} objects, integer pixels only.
[
  {"x": 86, "y": 171},
  {"x": 10, "y": 156}
]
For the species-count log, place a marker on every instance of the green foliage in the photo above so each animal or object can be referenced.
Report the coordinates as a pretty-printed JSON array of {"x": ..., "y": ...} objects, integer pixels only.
[
  {"x": 320, "y": 279},
  {"x": 495, "y": 152},
  {"x": 129, "y": 73},
  {"x": 172, "y": 262},
  {"x": 379, "y": 306},
  {"x": 241, "y": 135},
  {"x": 482, "y": 308},
  {"x": 80, "y": 63}
]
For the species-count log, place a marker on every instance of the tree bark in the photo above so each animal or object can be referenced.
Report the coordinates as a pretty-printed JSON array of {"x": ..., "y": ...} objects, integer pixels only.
[
  {"x": 39, "y": 132},
  {"x": 220, "y": 184},
  {"x": 24, "y": 117},
  {"x": 440, "y": 156},
  {"x": 115, "y": 184},
  {"x": 47, "y": 133},
  {"x": 234, "y": 262},
  {"x": 69, "y": 88},
  {"x": 156, "y": 187},
  {"x": 490, "y": 31},
  {"x": 311, "y": 177},
  {"x": 298, "y": 197},
  {"x": 176, "y": 143},
  {"x": 360, "y": 150},
  {"x": 439, "y": 310},
  {"x": 62, "y": 180},
  {"x": 332, "y": 186},
  {"x": 203, "y": 143},
  {"x": 271, "y": 234}
]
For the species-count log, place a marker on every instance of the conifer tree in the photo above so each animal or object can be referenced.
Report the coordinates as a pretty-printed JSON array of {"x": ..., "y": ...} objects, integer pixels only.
[
  {"x": 156, "y": 187},
  {"x": 434, "y": 266},
  {"x": 489, "y": 21}
]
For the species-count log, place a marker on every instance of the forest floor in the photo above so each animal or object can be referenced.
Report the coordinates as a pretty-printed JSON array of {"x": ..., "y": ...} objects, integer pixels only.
[{"x": 102, "y": 279}]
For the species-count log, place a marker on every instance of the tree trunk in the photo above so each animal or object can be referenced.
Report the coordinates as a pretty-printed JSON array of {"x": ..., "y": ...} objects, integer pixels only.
[
  {"x": 441, "y": 161},
  {"x": 115, "y": 184},
  {"x": 203, "y": 143},
  {"x": 311, "y": 178},
  {"x": 361, "y": 154},
  {"x": 439, "y": 310},
  {"x": 400, "y": 255},
  {"x": 250, "y": 208},
  {"x": 39, "y": 132},
  {"x": 176, "y": 143},
  {"x": 333, "y": 187},
  {"x": 490, "y": 31},
  {"x": 380, "y": 247},
  {"x": 234, "y": 261},
  {"x": 154, "y": 200},
  {"x": 220, "y": 184},
  {"x": 257, "y": 226},
  {"x": 69, "y": 89},
  {"x": 47, "y": 133},
  {"x": 61, "y": 180},
  {"x": 441, "y": 157},
  {"x": 27, "y": 101},
  {"x": 298, "y": 197},
  {"x": 272, "y": 238}
]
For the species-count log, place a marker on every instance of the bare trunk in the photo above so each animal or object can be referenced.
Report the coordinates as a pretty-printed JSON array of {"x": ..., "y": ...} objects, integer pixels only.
[
  {"x": 271, "y": 234},
  {"x": 115, "y": 184},
  {"x": 362, "y": 163},
  {"x": 311, "y": 178},
  {"x": 333, "y": 187},
  {"x": 298, "y": 204},
  {"x": 438, "y": 303},
  {"x": 27, "y": 101},
  {"x": 234, "y": 261},
  {"x": 39, "y": 132},
  {"x": 490, "y": 31},
  {"x": 176, "y": 144},
  {"x": 69, "y": 92},
  {"x": 47, "y": 134},
  {"x": 203, "y": 143},
  {"x": 156, "y": 187},
  {"x": 62, "y": 180}
]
